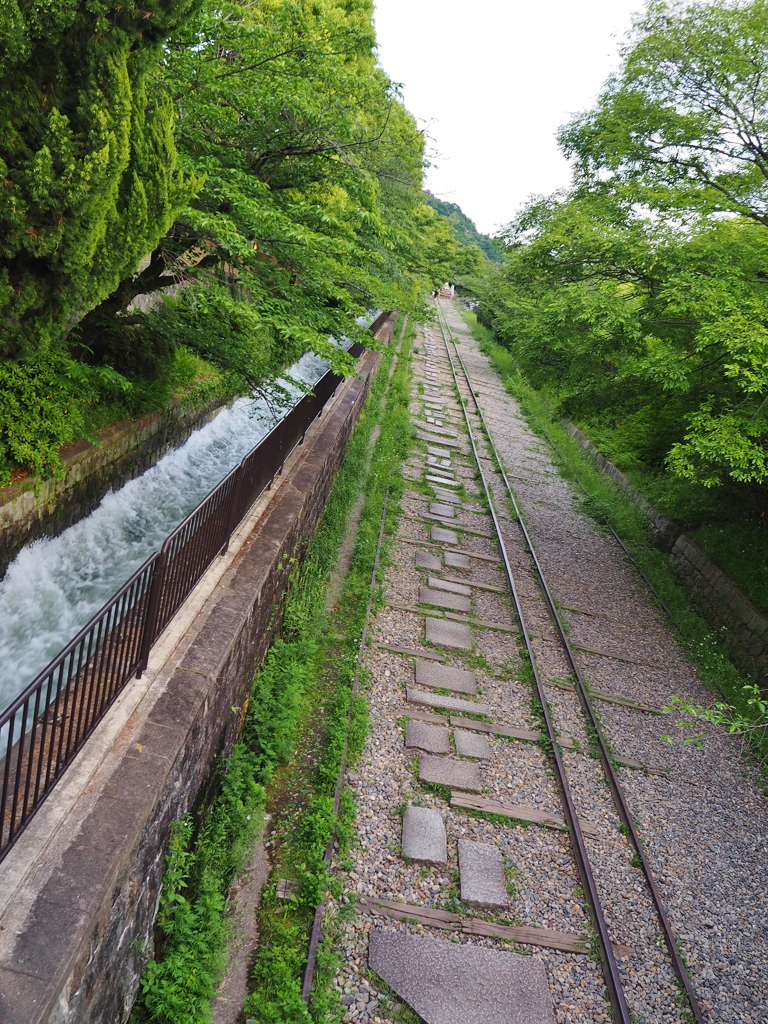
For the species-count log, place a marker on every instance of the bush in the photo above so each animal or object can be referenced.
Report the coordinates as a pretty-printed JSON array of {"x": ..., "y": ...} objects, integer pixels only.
[{"x": 43, "y": 401}]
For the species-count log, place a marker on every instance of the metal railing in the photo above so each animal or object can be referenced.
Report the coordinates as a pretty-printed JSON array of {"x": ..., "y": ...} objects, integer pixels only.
[{"x": 46, "y": 726}]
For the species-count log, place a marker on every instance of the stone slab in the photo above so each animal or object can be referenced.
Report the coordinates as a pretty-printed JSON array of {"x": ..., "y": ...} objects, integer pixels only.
[
  {"x": 449, "y": 586},
  {"x": 442, "y": 453},
  {"x": 443, "y": 536},
  {"x": 441, "y": 480},
  {"x": 445, "y": 633},
  {"x": 437, "y": 508},
  {"x": 431, "y": 439},
  {"x": 440, "y": 599},
  {"x": 443, "y": 495},
  {"x": 481, "y": 867},
  {"x": 445, "y": 677},
  {"x": 444, "y": 432},
  {"x": 426, "y": 560},
  {"x": 447, "y": 771},
  {"x": 457, "y": 983},
  {"x": 455, "y": 560},
  {"x": 437, "y": 700},
  {"x": 472, "y": 744},
  {"x": 424, "y": 835},
  {"x": 432, "y": 739}
]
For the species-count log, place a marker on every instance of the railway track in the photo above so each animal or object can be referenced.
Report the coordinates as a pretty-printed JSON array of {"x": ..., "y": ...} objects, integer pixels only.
[
  {"x": 512, "y": 738},
  {"x": 611, "y": 971}
]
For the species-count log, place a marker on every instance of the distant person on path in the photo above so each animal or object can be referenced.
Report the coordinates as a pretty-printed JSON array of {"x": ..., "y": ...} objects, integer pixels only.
[{"x": 453, "y": 289}]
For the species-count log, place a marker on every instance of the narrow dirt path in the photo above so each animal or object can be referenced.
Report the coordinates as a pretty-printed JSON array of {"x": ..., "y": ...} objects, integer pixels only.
[{"x": 459, "y": 818}]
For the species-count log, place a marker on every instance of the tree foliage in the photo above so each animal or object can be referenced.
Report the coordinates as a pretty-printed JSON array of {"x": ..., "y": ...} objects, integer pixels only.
[
  {"x": 639, "y": 297},
  {"x": 252, "y": 156},
  {"x": 310, "y": 206},
  {"x": 88, "y": 174}
]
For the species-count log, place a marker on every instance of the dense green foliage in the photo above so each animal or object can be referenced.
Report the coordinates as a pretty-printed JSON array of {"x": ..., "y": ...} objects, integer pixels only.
[
  {"x": 303, "y": 690},
  {"x": 88, "y": 174},
  {"x": 254, "y": 154},
  {"x": 638, "y": 300},
  {"x": 463, "y": 229}
]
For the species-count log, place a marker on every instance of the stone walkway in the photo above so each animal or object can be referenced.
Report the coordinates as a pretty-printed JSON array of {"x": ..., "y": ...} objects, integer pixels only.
[{"x": 462, "y": 862}]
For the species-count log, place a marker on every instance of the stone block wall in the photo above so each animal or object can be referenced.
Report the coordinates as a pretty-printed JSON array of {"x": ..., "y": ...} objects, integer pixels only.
[
  {"x": 720, "y": 601},
  {"x": 89, "y": 929}
]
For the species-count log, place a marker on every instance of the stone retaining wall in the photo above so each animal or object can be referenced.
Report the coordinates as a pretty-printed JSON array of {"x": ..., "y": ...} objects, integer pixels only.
[
  {"x": 89, "y": 930},
  {"x": 719, "y": 599},
  {"x": 124, "y": 450}
]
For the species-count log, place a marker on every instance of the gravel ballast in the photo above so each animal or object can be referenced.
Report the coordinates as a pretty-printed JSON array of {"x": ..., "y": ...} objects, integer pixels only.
[{"x": 703, "y": 821}]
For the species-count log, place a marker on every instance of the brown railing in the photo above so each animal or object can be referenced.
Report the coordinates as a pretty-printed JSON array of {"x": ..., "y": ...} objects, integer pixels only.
[{"x": 45, "y": 727}]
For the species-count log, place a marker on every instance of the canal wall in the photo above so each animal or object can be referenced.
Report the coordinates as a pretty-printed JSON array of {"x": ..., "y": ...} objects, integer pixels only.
[
  {"x": 77, "y": 919},
  {"x": 30, "y": 509}
]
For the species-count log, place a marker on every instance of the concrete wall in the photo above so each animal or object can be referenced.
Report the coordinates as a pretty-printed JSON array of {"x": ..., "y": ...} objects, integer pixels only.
[
  {"x": 124, "y": 451},
  {"x": 721, "y": 602},
  {"x": 87, "y": 931}
]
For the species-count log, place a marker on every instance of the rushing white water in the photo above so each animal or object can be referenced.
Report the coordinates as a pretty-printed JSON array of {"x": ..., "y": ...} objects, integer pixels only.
[{"x": 55, "y": 585}]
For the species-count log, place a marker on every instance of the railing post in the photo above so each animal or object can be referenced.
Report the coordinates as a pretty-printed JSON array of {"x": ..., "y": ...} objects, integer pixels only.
[
  {"x": 234, "y": 505},
  {"x": 153, "y": 603}
]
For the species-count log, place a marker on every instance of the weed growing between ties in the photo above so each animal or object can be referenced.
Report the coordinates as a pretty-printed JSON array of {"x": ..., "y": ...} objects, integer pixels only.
[
  {"x": 745, "y": 712},
  {"x": 304, "y": 822},
  {"x": 295, "y": 702}
]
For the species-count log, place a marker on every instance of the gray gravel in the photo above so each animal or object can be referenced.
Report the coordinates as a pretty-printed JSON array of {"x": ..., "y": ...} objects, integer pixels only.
[{"x": 704, "y": 825}]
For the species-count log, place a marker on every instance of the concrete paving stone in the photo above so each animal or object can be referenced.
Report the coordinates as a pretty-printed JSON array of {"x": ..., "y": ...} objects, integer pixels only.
[
  {"x": 443, "y": 536},
  {"x": 443, "y": 495},
  {"x": 432, "y": 739},
  {"x": 437, "y": 700},
  {"x": 472, "y": 744},
  {"x": 445, "y": 633},
  {"x": 442, "y": 453},
  {"x": 438, "y": 509},
  {"x": 441, "y": 480},
  {"x": 426, "y": 560},
  {"x": 445, "y": 677},
  {"x": 440, "y": 599},
  {"x": 448, "y": 771},
  {"x": 424, "y": 835},
  {"x": 456, "y": 561},
  {"x": 458, "y": 983},
  {"x": 481, "y": 867},
  {"x": 449, "y": 587}
]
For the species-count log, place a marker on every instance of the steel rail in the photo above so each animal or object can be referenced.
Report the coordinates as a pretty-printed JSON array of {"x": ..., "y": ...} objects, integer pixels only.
[
  {"x": 610, "y": 967},
  {"x": 617, "y": 793}
]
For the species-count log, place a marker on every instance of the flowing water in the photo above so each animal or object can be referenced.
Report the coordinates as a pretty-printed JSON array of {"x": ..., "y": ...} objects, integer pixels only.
[{"x": 55, "y": 585}]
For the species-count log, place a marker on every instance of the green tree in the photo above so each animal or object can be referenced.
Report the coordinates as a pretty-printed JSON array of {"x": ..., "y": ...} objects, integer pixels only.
[
  {"x": 684, "y": 123},
  {"x": 642, "y": 294},
  {"x": 310, "y": 209},
  {"x": 627, "y": 320},
  {"x": 88, "y": 175}
]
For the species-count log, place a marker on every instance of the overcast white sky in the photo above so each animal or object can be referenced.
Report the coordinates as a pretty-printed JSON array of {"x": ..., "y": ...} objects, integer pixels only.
[{"x": 495, "y": 79}]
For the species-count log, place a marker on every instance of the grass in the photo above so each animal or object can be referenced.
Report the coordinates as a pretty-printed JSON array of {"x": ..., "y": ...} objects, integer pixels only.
[
  {"x": 609, "y": 504},
  {"x": 288, "y": 761}
]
